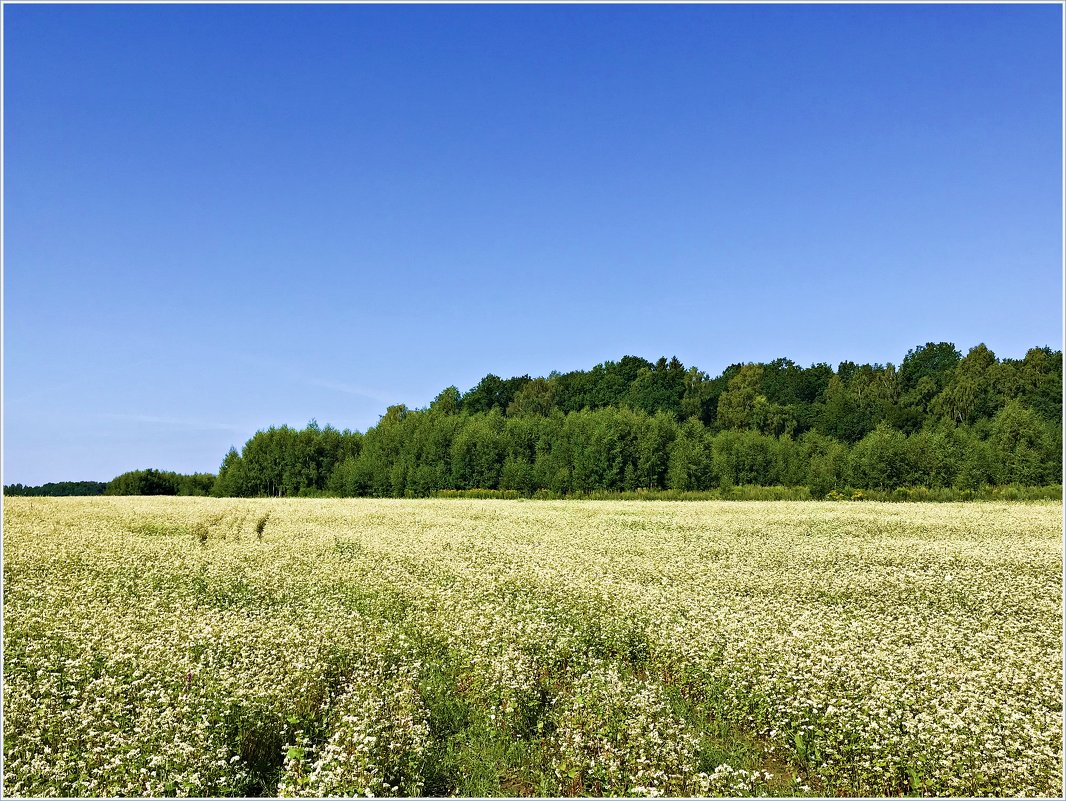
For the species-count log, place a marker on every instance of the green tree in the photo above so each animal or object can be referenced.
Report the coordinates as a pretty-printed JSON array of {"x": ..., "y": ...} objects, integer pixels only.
[
  {"x": 691, "y": 462},
  {"x": 447, "y": 402},
  {"x": 968, "y": 395},
  {"x": 826, "y": 462},
  {"x": 933, "y": 362},
  {"x": 697, "y": 398},
  {"x": 1025, "y": 446},
  {"x": 879, "y": 460},
  {"x": 736, "y": 406},
  {"x": 535, "y": 397},
  {"x": 143, "y": 482}
]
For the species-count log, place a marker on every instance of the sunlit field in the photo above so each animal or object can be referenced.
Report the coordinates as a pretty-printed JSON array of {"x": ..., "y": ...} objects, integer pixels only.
[{"x": 382, "y": 647}]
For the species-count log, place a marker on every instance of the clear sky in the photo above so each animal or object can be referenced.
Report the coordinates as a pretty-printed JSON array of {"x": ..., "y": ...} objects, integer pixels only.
[{"x": 219, "y": 218}]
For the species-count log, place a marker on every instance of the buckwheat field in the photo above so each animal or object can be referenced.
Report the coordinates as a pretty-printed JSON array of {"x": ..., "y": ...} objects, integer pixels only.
[{"x": 202, "y": 647}]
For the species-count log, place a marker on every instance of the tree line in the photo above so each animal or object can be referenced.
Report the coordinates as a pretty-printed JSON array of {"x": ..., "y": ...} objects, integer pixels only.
[
  {"x": 940, "y": 419},
  {"x": 134, "y": 482},
  {"x": 57, "y": 489}
]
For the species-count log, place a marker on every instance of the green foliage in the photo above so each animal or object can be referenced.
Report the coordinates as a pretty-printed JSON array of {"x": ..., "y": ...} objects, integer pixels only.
[
  {"x": 57, "y": 489},
  {"x": 493, "y": 393},
  {"x": 932, "y": 363},
  {"x": 535, "y": 397},
  {"x": 736, "y": 406},
  {"x": 447, "y": 402},
  {"x": 881, "y": 459},
  {"x": 1027, "y": 446},
  {"x": 286, "y": 462},
  {"x": 498, "y": 494},
  {"x": 939, "y": 421},
  {"x": 157, "y": 482}
]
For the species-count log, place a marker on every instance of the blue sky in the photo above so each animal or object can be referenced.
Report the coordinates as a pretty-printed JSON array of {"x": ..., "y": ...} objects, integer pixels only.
[{"x": 219, "y": 218}]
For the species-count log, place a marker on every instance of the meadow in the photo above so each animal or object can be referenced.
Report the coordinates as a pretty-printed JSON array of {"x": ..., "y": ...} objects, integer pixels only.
[{"x": 213, "y": 647}]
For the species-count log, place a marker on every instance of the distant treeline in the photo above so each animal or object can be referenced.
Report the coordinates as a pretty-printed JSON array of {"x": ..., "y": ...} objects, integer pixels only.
[
  {"x": 135, "y": 482},
  {"x": 57, "y": 489},
  {"x": 939, "y": 420}
]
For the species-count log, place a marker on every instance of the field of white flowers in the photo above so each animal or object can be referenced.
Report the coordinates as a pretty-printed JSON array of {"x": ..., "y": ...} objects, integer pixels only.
[{"x": 166, "y": 646}]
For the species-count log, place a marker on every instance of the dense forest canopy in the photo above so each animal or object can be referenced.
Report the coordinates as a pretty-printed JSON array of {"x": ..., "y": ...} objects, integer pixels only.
[{"x": 938, "y": 420}]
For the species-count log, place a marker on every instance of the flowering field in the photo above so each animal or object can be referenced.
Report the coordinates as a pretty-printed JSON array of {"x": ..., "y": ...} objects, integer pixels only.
[{"x": 165, "y": 646}]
